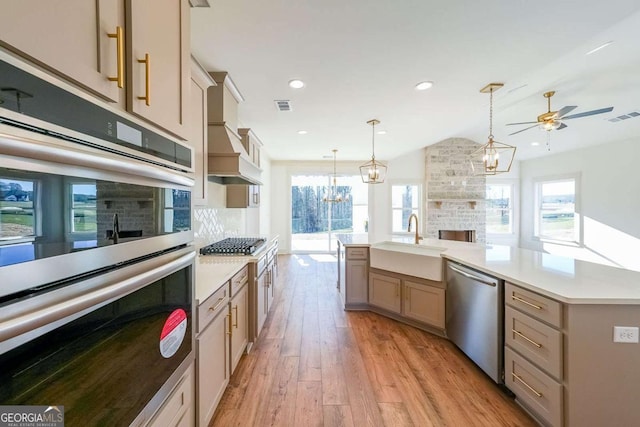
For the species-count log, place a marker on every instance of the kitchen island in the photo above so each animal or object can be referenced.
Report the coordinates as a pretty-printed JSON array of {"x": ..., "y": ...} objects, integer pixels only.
[{"x": 561, "y": 360}]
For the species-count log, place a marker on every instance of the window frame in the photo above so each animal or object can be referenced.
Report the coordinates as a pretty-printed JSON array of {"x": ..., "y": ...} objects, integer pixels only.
[
  {"x": 36, "y": 208},
  {"x": 73, "y": 235},
  {"x": 537, "y": 214},
  {"x": 420, "y": 208},
  {"x": 513, "y": 220}
]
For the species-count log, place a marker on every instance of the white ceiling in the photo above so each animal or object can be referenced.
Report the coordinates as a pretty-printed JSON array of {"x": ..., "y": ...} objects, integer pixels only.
[{"x": 360, "y": 59}]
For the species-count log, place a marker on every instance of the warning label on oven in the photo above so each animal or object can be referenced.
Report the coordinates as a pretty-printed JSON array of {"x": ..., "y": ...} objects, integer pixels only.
[{"x": 173, "y": 333}]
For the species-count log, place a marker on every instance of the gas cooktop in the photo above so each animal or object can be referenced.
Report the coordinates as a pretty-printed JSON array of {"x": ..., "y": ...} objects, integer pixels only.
[{"x": 233, "y": 246}]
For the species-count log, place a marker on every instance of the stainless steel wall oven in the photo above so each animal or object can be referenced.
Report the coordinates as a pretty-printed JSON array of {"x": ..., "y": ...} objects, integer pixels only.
[{"x": 96, "y": 261}]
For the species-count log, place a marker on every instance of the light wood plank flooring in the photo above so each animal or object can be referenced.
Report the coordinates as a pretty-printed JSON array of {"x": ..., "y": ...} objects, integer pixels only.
[{"x": 317, "y": 365}]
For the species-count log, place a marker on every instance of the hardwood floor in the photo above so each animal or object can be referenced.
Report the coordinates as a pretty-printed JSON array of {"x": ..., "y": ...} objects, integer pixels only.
[{"x": 317, "y": 365}]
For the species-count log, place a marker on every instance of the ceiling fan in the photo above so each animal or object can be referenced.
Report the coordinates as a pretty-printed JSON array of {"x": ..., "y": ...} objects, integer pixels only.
[{"x": 553, "y": 120}]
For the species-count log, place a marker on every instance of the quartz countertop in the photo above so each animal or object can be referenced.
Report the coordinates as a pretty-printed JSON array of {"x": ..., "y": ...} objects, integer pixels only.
[
  {"x": 564, "y": 279},
  {"x": 212, "y": 271}
]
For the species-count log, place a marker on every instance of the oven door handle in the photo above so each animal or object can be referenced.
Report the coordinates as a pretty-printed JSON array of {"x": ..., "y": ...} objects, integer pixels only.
[{"x": 59, "y": 307}]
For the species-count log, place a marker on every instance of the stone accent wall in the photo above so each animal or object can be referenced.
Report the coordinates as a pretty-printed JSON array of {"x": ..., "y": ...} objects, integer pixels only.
[{"x": 451, "y": 187}]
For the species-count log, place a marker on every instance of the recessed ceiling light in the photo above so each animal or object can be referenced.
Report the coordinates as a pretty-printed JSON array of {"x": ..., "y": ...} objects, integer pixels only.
[
  {"x": 535, "y": 143},
  {"x": 296, "y": 84},
  {"x": 302, "y": 132},
  {"x": 382, "y": 132},
  {"x": 602, "y": 46},
  {"x": 424, "y": 85}
]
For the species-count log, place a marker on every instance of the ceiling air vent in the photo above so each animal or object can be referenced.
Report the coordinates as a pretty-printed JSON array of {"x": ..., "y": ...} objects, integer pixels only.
[
  {"x": 283, "y": 105},
  {"x": 625, "y": 116}
]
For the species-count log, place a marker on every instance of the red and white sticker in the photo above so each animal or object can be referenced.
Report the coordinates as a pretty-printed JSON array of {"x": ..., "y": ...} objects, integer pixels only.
[{"x": 173, "y": 331}]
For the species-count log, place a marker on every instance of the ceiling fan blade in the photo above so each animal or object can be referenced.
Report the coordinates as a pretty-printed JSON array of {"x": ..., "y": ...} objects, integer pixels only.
[
  {"x": 522, "y": 130},
  {"x": 588, "y": 113},
  {"x": 562, "y": 126},
  {"x": 565, "y": 110},
  {"x": 520, "y": 123}
]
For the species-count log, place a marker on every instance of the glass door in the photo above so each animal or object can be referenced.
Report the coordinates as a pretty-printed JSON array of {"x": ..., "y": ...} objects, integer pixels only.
[{"x": 316, "y": 216}]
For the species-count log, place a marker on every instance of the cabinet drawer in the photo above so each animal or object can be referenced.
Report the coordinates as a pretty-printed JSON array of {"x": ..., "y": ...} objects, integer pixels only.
[
  {"x": 539, "y": 343},
  {"x": 177, "y": 404},
  {"x": 357, "y": 253},
  {"x": 536, "y": 305},
  {"x": 213, "y": 305},
  {"x": 239, "y": 280},
  {"x": 533, "y": 388}
]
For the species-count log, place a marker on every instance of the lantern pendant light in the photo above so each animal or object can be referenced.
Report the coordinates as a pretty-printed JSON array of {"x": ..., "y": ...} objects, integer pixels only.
[
  {"x": 373, "y": 172},
  {"x": 334, "y": 196},
  {"x": 494, "y": 157}
]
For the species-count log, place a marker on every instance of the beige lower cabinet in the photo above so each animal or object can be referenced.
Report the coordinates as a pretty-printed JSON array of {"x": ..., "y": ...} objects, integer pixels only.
[
  {"x": 239, "y": 325},
  {"x": 178, "y": 409},
  {"x": 416, "y": 301},
  {"x": 213, "y": 344},
  {"x": 424, "y": 303},
  {"x": 384, "y": 292}
]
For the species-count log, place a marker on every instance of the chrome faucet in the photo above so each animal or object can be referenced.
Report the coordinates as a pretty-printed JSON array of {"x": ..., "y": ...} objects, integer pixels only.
[
  {"x": 418, "y": 238},
  {"x": 116, "y": 229}
]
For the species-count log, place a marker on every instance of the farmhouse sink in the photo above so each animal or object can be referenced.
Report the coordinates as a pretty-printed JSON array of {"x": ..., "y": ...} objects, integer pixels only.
[{"x": 410, "y": 259}]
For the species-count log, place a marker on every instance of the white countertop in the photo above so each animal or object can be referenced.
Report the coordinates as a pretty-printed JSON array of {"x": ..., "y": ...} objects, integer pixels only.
[
  {"x": 212, "y": 271},
  {"x": 564, "y": 279}
]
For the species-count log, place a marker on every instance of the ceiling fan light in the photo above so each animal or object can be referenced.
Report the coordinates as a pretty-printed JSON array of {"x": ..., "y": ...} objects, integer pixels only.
[{"x": 550, "y": 125}]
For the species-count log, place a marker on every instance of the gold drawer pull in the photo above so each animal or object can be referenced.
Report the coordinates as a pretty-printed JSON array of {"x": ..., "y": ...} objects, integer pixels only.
[
  {"x": 537, "y": 393},
  {"x": 236, "y": 310},
  {"x": 147, "y": 79},
  {"x": 537, "y": 307},
  {"x": 119, "y": 36},
  {"x": 230, "y": 331},
  {"x": 521, "y": 335},
  {"x": 215, "y": 307}
]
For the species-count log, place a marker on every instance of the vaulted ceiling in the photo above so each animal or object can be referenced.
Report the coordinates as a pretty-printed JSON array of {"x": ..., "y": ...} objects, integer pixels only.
[{"x": 361, "y": 60}]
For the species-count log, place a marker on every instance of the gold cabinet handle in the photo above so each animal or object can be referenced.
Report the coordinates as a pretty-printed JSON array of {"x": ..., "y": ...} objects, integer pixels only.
[
  {"x": 230, "y": 331},
  {"x": 521, "y": 335},
  {"x": 119, "y": 36},
  {"x": 536, "y": 392},
  {"x": 236, "y": 310},
  {"x": 215, "y": 307},
  {"x": 537, "y": 307},
  {"x": 147, "y": 79}
]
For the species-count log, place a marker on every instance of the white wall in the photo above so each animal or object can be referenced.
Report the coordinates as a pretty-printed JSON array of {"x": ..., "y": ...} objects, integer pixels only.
[
  {"x": 408, "y": 168},
  {"x": 609, "y": 202}
]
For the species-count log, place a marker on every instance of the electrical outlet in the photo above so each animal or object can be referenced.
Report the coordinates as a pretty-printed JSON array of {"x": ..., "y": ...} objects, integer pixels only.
[{"x": 627, "y": 334}]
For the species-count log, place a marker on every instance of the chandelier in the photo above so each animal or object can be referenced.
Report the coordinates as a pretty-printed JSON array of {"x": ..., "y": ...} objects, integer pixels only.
[
  {"x": 334, "y": 196},
  {"x": 497, "y": 157},
  {"x": 373, "y": 172}
]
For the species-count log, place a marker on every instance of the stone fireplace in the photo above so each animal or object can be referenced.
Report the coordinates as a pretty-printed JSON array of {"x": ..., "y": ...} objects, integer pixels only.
[{"x": 455, "y": 197}]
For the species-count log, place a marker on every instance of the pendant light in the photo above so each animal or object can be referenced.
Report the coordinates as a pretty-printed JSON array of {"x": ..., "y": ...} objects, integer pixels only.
[
  {"x": 334, "y": 196},
  {"x": 373, "y": 172},
  {"x": 494, "y": 157}
]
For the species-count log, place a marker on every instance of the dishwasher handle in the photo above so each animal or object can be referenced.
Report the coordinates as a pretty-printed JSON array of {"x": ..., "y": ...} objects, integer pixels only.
[{"x": 471, "y": 276}]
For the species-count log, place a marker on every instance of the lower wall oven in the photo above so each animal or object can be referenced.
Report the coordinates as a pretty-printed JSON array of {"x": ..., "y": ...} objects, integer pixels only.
[{"x": 108, "y": 348}]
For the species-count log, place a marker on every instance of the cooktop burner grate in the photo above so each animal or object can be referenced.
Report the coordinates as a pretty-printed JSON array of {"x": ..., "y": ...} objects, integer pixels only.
[{"x": 233, "y": 246}]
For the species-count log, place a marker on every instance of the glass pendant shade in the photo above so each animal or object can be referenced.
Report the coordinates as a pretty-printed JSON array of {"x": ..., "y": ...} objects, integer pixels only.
[
  {"x": 373, "y": 172},
  {"x": 494, "y": 157}
]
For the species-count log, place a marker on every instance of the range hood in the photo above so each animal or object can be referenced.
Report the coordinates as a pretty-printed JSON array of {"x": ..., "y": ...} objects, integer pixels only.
[{"x": 229, "y": 161}]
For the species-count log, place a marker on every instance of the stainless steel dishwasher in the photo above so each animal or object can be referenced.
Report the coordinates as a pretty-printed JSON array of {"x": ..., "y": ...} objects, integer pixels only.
[{"x": 474, "y": 317}]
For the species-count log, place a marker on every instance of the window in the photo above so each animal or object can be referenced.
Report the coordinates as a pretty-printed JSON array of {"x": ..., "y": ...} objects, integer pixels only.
[
  {"x": 314, "y": 221},
  {"x": 556, "y": 217},
  {"x": 17, "y": 209},
  {"x": 499, "y": 208},
  {"x": 405, "y": 200},
  {"x": 177, "y": 210},
  {"x": 83, "y": 208}
]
